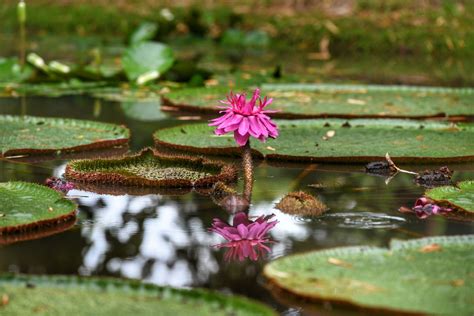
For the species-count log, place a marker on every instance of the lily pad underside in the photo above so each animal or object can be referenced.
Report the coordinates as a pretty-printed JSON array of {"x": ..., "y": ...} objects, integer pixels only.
[
  {"x": 340, "y": 101},
  {"x": 61, "y": 295},
  {"x": 28, "y": 207},
  {"x": 460, "y": 196},
  {"x": 149, "y": 168},
  {"x": 335, "y": 140},
  {"x": 21, "y": 135},
  {"x": 38, "y": 233},
  {"x": 421, "y": 276}
]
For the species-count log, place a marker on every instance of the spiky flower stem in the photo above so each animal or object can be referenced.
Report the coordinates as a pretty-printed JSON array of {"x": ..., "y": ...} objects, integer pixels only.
[{"x": 247, "y": 165}]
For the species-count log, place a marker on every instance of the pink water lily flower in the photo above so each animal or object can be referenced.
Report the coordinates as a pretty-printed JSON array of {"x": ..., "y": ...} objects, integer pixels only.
[
  {"x": 59, "y": 184},
  {"x": 425, "y": 207},
  {"x": 245, "y": 238},
  {"x": 246, "y": 118}
]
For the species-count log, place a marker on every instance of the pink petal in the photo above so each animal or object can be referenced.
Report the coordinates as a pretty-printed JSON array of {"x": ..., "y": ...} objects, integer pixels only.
[
  {"x": 244, "y": 126},
  {"x": 241, "y": 140}
]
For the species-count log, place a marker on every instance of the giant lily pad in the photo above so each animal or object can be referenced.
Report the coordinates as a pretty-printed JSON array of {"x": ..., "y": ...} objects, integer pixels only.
[
  {"x": 26, "y": 206},
  {"x": 61, "y": 295},
  {"x": 422, "y": 276},
  {"x": 149, "y": 168},
  {"x": 40, "y": 135},
  {"x": 342, "y": 101},
  {"x": 353, "y": 141},
  {"x": 460, "y": 196},
  {"x": 146, "y": 57}
]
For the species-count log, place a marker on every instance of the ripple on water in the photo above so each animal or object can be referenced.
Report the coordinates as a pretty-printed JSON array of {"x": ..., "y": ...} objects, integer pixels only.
[{"x": 360, "y": 220}]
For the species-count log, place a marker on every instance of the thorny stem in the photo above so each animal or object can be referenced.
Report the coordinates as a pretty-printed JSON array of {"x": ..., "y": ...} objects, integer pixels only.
[{"x": 248, "y": 171}]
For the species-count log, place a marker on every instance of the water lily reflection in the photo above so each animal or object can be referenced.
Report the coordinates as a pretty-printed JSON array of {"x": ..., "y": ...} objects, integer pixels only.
[{"x": 245, "y": 238}]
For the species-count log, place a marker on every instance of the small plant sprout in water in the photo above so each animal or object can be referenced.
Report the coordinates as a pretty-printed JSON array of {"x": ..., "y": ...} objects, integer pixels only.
[
  {"x": 245, "y": 238},
  {"x": 246, "y": 118}
]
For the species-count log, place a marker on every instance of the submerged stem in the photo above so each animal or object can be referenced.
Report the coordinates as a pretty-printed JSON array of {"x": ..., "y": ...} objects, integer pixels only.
[{"x": 247, "y": 165}]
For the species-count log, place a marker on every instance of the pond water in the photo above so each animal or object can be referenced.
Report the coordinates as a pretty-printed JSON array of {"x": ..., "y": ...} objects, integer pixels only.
[{"x": 165, "y": 239}]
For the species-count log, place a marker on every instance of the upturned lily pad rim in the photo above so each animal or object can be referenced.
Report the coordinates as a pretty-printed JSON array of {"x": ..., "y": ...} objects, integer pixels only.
[
  {"x": 395, "y": 244},
  {"x": 236, "y": 151},
  {"x": 106, "y": 143},
  {"x": 227, "y": 173},
  {"x": 130, "y": 286},
  {"x": 38, "y": 233},
  {"x": 44, "y": 224},
  {"x": 185, "y": 107}
]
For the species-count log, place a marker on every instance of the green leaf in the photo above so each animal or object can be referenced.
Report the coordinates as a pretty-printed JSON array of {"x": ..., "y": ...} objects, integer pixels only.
[
  {"x": 460, "y": 196},
  {"x": 41, "y": 135},
  {"x": 61, "y": 295},
  {"x": 426, "y": 276},
  {"x": 146, "y": 57},
  {"x": 353, "y": 141},
  {"x": 145, "y": 31},
  {"x": 344, "y": 101},
  {"x": 10, "y": 70},
  {"x": 149, "y": 168},
  {"x": 70, "y": 87},
  {"x": 27, "y": 206}
]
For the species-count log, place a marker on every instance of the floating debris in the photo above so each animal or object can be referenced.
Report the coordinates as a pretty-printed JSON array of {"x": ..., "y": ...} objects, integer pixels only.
[
  {"x": 380, "y": 168},
  {"x": 433, "y": 178},
  {"x": 302, "y": 204}
]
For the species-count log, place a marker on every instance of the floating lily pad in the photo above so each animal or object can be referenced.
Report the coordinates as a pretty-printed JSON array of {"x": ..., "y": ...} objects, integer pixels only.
[
  {"x": 41, "y": 135},
  {"x": 150, "y": 169},
  {"x": 422, "y": 276},
  {"x": 37, "y": 233},
  {"x": 26, "y": 206},
  {"x": 145, "y": 57},
  {"x": 71, "y": 87},
  {"x": 61, "y": 295},
  {"x": 302, "y": 204},
  {"x": 460, "y": 196},
  {"x": 340, "y": 101},
  {"x": 336, "y": 140}
]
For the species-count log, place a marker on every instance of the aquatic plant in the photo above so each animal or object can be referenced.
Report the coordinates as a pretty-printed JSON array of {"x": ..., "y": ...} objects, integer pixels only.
[
  {"x": 150, "y": 168},
  {"x": 245, "y": 238},
  {"x": 246, "y": 118},
  {"x": 301, "y": 203},
  {"x": 59, "y": 184}
]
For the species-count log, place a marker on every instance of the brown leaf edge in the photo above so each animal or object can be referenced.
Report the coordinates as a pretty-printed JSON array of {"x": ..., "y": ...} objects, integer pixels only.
[
  {"x": 36, "y": 227},
  {"x": 228, "y": 173},
  {"x": 39, "y": 231}
]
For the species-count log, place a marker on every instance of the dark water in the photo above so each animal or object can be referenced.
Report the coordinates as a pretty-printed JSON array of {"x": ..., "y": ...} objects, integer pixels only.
[{"x": 164, "y": 239}]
